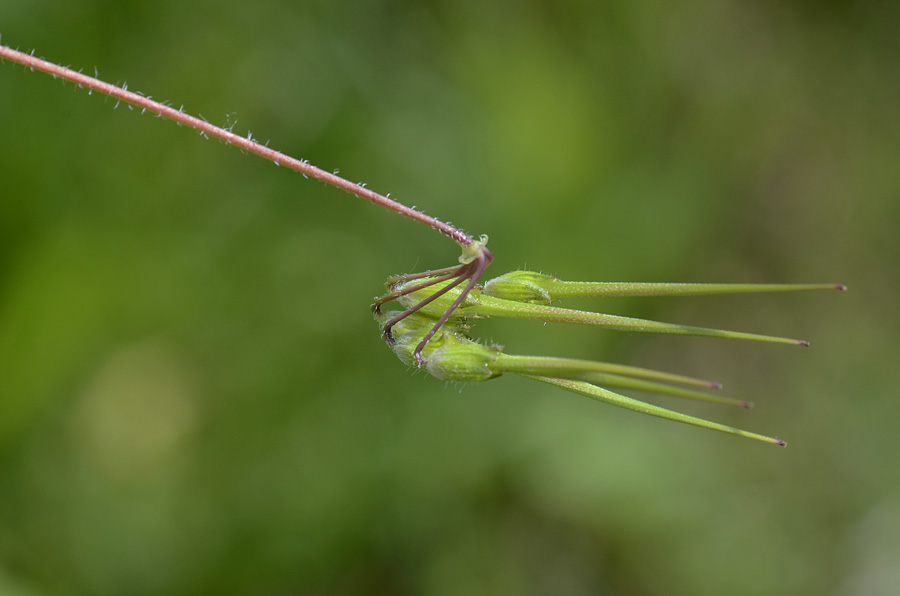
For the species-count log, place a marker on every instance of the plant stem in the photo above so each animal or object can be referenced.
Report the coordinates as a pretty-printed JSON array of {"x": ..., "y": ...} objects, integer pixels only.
[{"x": 228, "y": 137}]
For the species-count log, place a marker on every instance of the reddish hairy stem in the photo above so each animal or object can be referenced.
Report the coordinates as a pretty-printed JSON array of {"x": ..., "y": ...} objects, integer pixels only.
[
  {"x": 247, "y": 144},
  {"x": 470, "y": 271}
]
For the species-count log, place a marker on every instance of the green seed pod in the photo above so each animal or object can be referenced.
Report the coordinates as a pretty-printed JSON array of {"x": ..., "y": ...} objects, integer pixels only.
[
  {"x": 461, "y": 359},
  {"x": 521, "y": 286}
]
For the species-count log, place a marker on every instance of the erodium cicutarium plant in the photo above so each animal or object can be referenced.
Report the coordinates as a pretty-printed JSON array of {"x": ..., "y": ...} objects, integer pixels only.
[{"x": 431, "y": 329}]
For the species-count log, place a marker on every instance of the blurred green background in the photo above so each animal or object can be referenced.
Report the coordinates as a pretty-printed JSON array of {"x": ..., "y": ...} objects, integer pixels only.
[{"x": 194, "y": 398}]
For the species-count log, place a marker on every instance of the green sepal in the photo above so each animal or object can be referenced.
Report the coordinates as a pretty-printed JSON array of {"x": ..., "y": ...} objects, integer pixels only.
[
  {"x": 462, "y": 359},
  {"x": 409, "y": 332},
  {"x": 521, "y": 286}
]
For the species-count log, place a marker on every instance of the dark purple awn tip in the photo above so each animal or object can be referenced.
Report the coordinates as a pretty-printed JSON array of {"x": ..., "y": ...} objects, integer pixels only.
[
  {"x": 780, "y": 443},
  {"x": 714, "y": 385},
  {"x": 803, "y": 342},
  {"x": 840, "y": 287},
  {"x": 747, "y": 404}
]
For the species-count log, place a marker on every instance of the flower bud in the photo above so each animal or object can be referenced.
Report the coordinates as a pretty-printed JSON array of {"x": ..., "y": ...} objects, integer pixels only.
[
  {"x": 405, "y": 346},
  {"x": 461, "y": 359},
  {"x": 521, "y": 286},
  {"x": 409, "y": 332}
]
